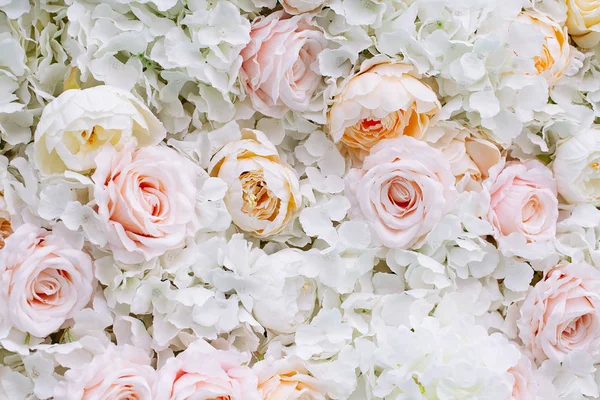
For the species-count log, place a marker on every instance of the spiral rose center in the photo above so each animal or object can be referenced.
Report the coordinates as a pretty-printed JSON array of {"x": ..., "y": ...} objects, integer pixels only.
[
  {"x": 577, "y": 329},
  {"x": 258, "y": 200},
  {"x": 544, "y": 61}
]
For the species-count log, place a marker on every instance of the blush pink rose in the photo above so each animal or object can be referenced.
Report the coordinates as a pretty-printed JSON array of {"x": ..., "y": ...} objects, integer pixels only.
[
  {"x": 147, "y": 200},
  {"x": 522, "y": 200},
  {"x": 525, "y": 386},
  {"x": 45, "y": 278},
  {"x": 561, "y": 313},
  {"x": 279, "y": 63},
  {"x": 122, "y": 372},
  {"x": 403, "y": 190},
  {"x": 202, "y": 372}
]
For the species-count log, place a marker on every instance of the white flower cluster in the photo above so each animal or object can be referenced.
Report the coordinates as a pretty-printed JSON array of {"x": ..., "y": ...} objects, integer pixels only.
[{"x": 299, "y": 199}]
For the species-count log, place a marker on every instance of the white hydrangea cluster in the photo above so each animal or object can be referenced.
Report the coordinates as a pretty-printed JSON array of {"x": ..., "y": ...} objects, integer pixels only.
[{"x": 299, "y": 199}]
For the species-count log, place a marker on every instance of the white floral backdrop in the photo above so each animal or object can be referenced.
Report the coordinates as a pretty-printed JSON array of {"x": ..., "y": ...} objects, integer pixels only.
[{"x": 299, "y": 199}]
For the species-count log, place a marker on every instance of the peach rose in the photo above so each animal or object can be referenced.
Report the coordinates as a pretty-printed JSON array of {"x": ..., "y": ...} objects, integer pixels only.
[
  {"x": 523, "y": 200},
  {"x": 468, "y": 153},
  {"x": 202, "y": 372},
  {"x": 264, "y": 192},
  {"x": 525, "y": 386},
  {"x": 45, "y": 279},
  {"x": 561, "y": 313},
  {"x": 278, "y": 70},
  {"x": 287, "y": 379},
  {"x": 147, "y": 199},
  {"x": 403, "y": 189},
  {"x": 583, "y": 21},
  {"x": 382, "y": 101},
  {"x": 554, "y": 54},
  {"x": 122, "y": 372}
]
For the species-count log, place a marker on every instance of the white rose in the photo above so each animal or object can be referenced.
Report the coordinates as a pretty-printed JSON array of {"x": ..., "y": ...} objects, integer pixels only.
[
  {"x": 75, "y": 125},
  {"x": 301, "y": 6},
  {"x": 264, "y": 192},
  {"x": 287, "y": 298},
  {"x": 577, "y": 168}
]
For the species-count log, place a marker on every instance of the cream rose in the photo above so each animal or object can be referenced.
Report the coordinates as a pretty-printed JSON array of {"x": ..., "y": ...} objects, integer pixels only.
[
  {"x": 278, "y": 71},
  {"x": 561, "y": 313},
  {"x": 45, "y": 278},
  {"x": 403, "y": 189},
  {"x": 75, "y": 125},
  {"x": 301, "y": 6},
  {"x": 468, "y": 153},
  {"x": 122, "y": 372},
  {"x": 382, "y": 101},
  {"x": 554, "y": 54},
  {"x": 583, "y": 21},
  {"x": 522, "y": 200},
  {"x": 287, "y": 379},
  {"x": 147, "y": 200},
  {"x": 202, "y": 372},
  {"x": 264, "y": 192},
  {"x": 576, "y": 167}
]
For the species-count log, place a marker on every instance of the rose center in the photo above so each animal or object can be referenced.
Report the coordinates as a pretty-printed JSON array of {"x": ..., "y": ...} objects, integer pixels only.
[{"x": 258, "y": 200}]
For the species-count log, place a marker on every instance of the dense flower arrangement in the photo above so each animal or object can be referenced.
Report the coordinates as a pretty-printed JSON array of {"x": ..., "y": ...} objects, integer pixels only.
[{"x": 303, "y": 199}]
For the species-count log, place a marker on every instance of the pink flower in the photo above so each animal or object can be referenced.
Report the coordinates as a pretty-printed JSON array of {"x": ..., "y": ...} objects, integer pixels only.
[
  {"x": 202, "y": 372},
  {"x": 278, "y": 69},
  {"x": 523, "y": 200},
  {"x": 122, "y": 372},
  {"x": 561, "y": 313},
  {"x": 147, "y": 199},
  {"x": 525, "y": 387},
  {"x": 403, "y": 189},
  {"x": 45, "y": 278}
]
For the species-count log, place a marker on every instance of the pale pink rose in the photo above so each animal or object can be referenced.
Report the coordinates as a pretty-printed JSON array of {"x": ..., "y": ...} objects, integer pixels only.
[
  {"x": 522, "y": 200},
  {"x": 561, "y": 313},
  {"x": 122, "y": 372},
  {"x": 279, "y": 64},
  {"x": 202, "y": 372},
  {"x": 45, "y": 278},
  {"x": 287, "y": 379},
  {"x": 403, "y": 190},
  {"x": 525, "y": 386},
  {"x": 147, "y": 199}
]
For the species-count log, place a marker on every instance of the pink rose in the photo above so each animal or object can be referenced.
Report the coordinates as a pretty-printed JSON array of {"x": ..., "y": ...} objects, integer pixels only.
[
  {"x": 522, "y": 199},
  {"x": 403, "y": 189},
  {"x": 561, "y": 313},
  {"x": 278, "y": 69},
  {"x": 287, "y": 379},
  {"x": 147, "y": 199},
  {"x": 45, "y": 278},
  {"x": 525, "y": 386},
  {"x": 122, "y": 372},
  {"x": 202, "y": 372}
]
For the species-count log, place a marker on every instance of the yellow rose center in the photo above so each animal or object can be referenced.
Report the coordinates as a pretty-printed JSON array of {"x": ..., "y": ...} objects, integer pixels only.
[
  {"x": 5, "y": 230},
  {"x": 90, "y": 139},
  {"x": 544, "y": 61},
  {"x": 259, "y": 200}
]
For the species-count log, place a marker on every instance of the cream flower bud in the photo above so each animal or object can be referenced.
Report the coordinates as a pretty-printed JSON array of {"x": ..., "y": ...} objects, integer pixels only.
[
  {"x": 553, "y": 57},
  {"x": 74, "y": 127},
  {"x": 264, "y": 192},
  {"x": 583, "y": 21},
  {"x": 577, "y": 168}
]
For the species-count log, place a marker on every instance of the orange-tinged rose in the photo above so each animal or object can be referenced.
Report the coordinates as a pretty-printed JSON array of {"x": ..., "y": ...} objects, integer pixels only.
[{"x": 382, "y": 101}]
